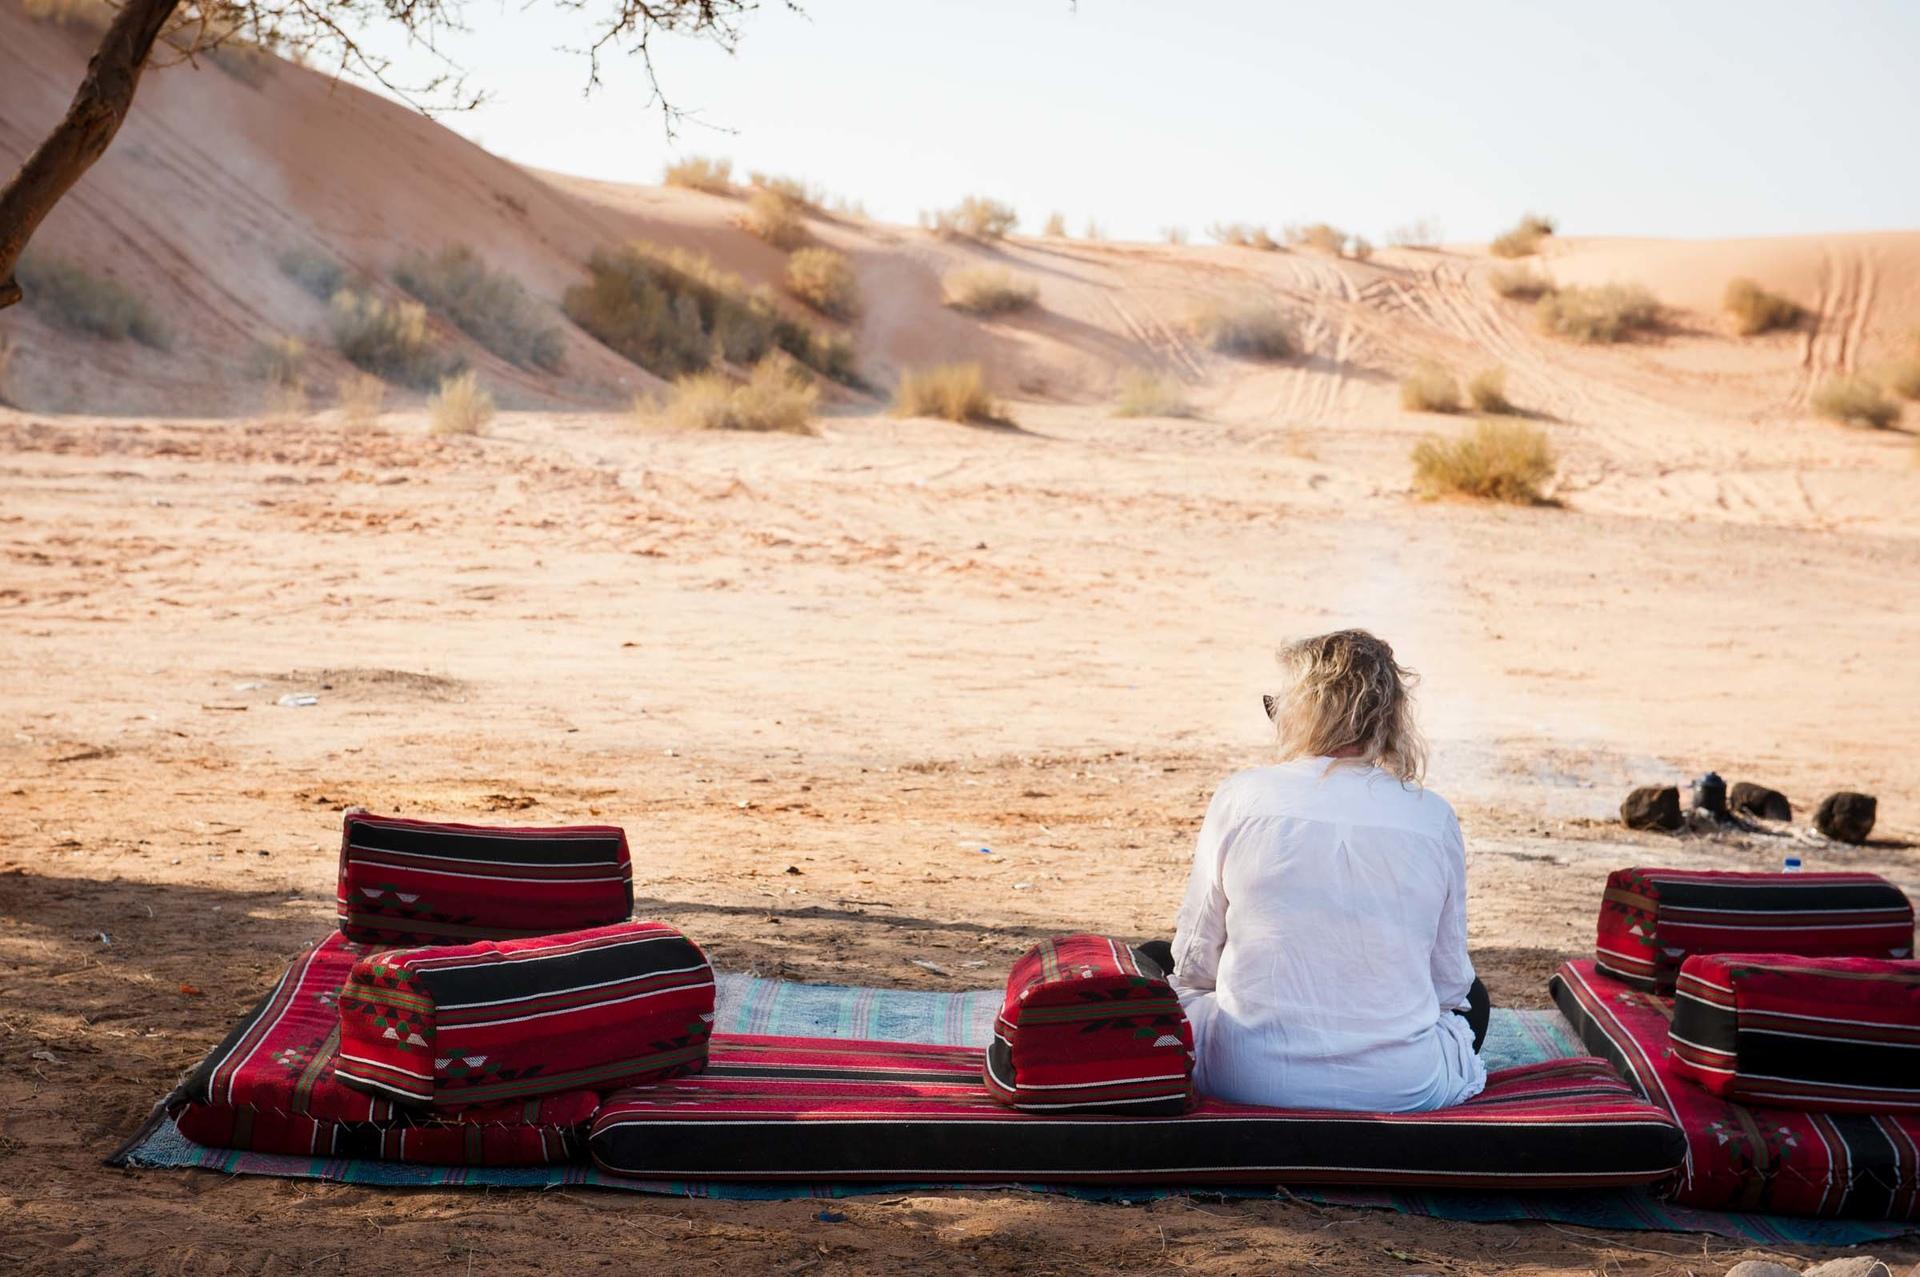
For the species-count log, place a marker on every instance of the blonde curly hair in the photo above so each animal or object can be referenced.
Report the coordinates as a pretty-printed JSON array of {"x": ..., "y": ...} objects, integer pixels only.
[{"x": 1347, "y": 698}]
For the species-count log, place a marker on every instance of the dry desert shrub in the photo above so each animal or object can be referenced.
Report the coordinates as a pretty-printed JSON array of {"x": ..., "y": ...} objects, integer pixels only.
[
  {"x": 775, "y": 398},
  {"x": 67, "y": 295},
  {"x": 1487, "y": 391},
  {"x": 1148, "y": 394},
  {"x": 281, "y": 362},
  {"x": 287, "y": 403},
  {"x": 1242, "y": 235},
  {"x": 823, "y": 279},
  {"x": 1518, "y": 283},
  {"x": 1495, "y": 461},
  {"x": 1855, "y": 401},
  {"x": 1250, "y": 328},
  {"x": 1755, "y": 310},
  {"x": 674, "y": 313},
  {"x": 1318, "y": 236},
  {"x": 1056, "y": 227},
  {"x": 1174, "y": 234},
  {"x": 1524, "y": 239},
  {"x": 6, "y": 367},
  {"x": 702, "y": 173},
  {"x": 1422, "y": 232},
  {"x": 96, "y": 14},
  {"x": 1611, "y": 312},
  {"x": 1903, "y": 378},
  {"x": 462, "y": 407},
  {"x": 1430, "y": 387},
  {"x": 775, "y": 218},
  {"x": 1094, "y": 231},
  {"x": 974, "y": 217},
  {"x": 313, "y": 270},
  {"x": 810, "y": 198},
  {"x": 388, "y": 339},
  {"x": 982, "y": 291},
  {"x": 951, "y": 392},
  {"x": 1360, "y": 248},
  {"x": 361, "y": 397},
  {"x": 487, "y": 305}
]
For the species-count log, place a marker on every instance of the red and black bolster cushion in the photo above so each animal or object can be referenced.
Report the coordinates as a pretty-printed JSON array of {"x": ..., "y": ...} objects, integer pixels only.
[
  {"x": 1829, "y": 1034},
  {"x": 1652, "y": 920},
  {"x": 505, "y": 1020},
  {"x": 1090, "y": 1026},
  {"x": 270, "y": 1087},
  {"x": 426, "y": 882}
]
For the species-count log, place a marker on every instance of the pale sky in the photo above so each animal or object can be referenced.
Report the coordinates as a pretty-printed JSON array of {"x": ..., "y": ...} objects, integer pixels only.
[{"x": 1669, "y": 117}]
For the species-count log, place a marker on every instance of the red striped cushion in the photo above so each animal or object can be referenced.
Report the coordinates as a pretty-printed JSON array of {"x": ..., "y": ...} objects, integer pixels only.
[
  {"x": 1652, "y": 919},
  {"x": 502, "y": 1020},
  {"x": 1771, "y": 1160},
  {"x": 423, "y": 882},
  {"x": 814, "y": 1109},
  {"x": 271, "y": 1087},
  {"x": 1837, "y": 1034},
  {"x": 1090, "y": 1026}
]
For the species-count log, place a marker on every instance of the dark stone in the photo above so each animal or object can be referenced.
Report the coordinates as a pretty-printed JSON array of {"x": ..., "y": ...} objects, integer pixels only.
[
  {"x": 1847, "y": 817},
  {"x": 1652, "y": 807},
  {"x": 1749, "y": 799},
  {"x": 1710, "y": 795}
]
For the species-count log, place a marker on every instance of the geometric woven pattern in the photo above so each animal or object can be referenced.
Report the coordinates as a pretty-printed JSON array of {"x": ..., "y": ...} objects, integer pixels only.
[
  {"x": 271, "y": 1087},
  {"x": 1651, "y": 920},
  {"x": 505, "y": 1020},
  {"x": 1840, "y": 1034},
  {"x": 424, "y": 882},
  {"x": 1774, "y": 1159},
  {"x": 770, "y": 1108},
  {"x": 1090, "y": 1026}
]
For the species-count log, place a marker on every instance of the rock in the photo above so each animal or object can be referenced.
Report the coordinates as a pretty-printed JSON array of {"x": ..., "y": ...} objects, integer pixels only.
[
  {"x": 1652, "y": 807},
  {"x": 1761, "y": 1268},
  {"x": 1846, "y": 817},
  {"x": 1851, "y": 1266},
  {"x": 1710, "y": 795},
  {"x": 1749, "y": 799}
]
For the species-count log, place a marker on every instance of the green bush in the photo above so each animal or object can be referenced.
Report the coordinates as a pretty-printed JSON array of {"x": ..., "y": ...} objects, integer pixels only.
[
  {"x": 952, "y": 392},
  {"x": 674, "y": 313},
  {"x": 1251, "y": 329},
  {"x": 1855, "y": 401},
  {"x": 1495, "y": 461},
  {"x": 313, "y": 270},
  {"x": 1755, "y": 310},
  {"x": 988, "y": 292},
  {"x": 388, "y": 339},
  {"x": 69, "y": 296},
  {"x": 1613, "y": 312},
  {"x": 489, "y": 306}
]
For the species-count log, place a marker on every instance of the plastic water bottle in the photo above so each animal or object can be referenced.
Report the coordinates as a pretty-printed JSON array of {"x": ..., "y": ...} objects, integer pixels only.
[{"x": 1790, "y": 865}]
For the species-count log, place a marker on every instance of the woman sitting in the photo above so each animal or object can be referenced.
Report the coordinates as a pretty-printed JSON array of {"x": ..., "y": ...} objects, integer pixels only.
[{"x": 1321, "y": 952}]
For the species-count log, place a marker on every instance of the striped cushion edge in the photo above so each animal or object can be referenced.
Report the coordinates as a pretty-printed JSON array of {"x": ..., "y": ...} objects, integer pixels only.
[
  {"x": 503, "y": 1020},
  {"x": 427, "y": 882},
  {"x": 270, "y": 1087},
  {"x": 1837, "y": 1034},
  {"x": 1087, "y": 1026},
  {"x": 1651, "y": 920},
  {"x": 1772, "y": 1160},
  {"x": 771, "y": 1108}
]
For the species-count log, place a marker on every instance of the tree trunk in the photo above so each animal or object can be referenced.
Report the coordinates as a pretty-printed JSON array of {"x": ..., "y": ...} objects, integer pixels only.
[{"x": 95, "y": 115}]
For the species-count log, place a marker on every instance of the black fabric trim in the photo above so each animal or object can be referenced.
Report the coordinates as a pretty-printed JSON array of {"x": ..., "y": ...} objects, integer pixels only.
[
  {"x": 477, "y": 845},
  {"x": 633, "y": 958}
]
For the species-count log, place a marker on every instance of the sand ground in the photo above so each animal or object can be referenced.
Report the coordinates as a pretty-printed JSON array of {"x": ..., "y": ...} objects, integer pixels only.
[{"x": 865, "y": 656}]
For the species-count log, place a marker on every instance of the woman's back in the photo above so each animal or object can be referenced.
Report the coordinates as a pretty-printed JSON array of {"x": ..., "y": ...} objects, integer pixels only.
[{"x": 1322, "y": 944}]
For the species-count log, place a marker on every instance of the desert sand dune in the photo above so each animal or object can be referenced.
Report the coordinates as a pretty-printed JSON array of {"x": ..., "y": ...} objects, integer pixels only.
[{"x": 866, "y": 653}]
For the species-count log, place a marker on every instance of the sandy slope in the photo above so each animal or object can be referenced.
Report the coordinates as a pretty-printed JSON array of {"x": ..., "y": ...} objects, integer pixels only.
[{"x": 864, "y": 655}]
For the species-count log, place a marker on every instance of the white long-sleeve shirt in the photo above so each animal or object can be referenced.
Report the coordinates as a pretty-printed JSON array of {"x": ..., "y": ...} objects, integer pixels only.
[{"x": 1322, "y": 946}]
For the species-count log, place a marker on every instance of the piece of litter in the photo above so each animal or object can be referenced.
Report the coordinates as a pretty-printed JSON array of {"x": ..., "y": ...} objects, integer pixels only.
[
  {"x": 1023, "y": 886},
  {"x": 248, "y": 687},
  {"x": 48, "y": 1056},
  {"x": 106, "y": 939},
  {"x": 974, "y": 962},
  {"x": 986, "y": 851},
  {"x": 793, "y": 869},
  {"x": 298, "y": 700},
  {"x": 831, "y": 1217},
  {"x": 190, "y": 990},
  {"x": 934, "y": 967}
]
